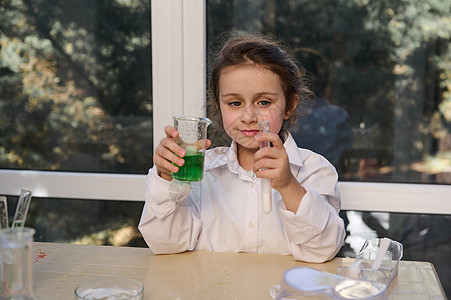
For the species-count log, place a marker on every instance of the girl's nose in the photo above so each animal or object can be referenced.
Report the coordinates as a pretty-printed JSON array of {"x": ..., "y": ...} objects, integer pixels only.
[{"x": 249, "y": 115}]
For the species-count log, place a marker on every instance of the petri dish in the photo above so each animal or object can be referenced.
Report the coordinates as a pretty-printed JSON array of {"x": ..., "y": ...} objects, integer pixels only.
[
  {"x": 110, "y": 289},
  {"x": 308, "y": 283}
]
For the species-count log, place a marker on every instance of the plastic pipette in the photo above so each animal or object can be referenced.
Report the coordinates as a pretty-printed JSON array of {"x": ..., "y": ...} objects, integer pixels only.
[{"x": 266, "y": 182}]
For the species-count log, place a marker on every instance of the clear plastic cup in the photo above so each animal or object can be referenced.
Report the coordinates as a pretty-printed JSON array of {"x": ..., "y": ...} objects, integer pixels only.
[
  {"x": 110, "y": 289},
  {"x": 374, "y": 262}
]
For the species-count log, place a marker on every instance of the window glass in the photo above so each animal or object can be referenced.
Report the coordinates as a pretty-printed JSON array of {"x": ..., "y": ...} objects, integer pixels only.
[
  {"x": 89, "y": 222},
  {"x": 75, "y": 85},
  {"x": 76, "y": 95},
  {"x": 381, "y": 73},
  {"x": 382, "y": 76}
]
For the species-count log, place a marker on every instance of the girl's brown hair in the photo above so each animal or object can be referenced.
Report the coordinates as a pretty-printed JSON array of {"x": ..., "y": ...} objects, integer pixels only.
[{"x": 242, "y": 48}]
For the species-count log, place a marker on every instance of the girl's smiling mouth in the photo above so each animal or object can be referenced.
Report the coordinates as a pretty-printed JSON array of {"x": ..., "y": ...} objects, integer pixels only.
[{"x": 249, "y": 132}]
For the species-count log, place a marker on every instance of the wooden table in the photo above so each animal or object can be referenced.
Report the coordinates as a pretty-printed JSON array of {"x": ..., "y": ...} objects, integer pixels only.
[{"x": 59, "y": 268}]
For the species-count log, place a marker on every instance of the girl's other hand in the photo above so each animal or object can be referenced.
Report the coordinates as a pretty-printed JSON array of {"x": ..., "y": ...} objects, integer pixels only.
[{"x": 272, "y": 162}]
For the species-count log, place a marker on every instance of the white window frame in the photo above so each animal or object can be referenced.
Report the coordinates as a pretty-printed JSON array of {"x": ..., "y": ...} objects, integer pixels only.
[{"x": 179, "y": 68}]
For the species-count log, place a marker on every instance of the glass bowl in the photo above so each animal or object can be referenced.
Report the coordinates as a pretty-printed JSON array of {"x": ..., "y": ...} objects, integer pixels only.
[{"x": 110, "y": 289}]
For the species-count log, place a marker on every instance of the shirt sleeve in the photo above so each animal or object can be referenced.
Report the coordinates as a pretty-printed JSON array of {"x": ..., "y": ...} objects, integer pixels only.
[
  {"x": 168, "y": 222},
  {"x": 316, "y": 232}
]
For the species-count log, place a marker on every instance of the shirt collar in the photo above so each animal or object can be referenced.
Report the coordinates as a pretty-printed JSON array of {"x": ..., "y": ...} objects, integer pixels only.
[
  {"x": 220, "y": 156},
  {"x": 294, "y": 155}
]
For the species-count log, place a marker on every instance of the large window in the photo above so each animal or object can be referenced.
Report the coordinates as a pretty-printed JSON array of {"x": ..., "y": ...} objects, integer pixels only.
[
  {"x": 381, "y": 73},
  {"x": 76, "y": 95},
  {"x": 75, "y": 80}
]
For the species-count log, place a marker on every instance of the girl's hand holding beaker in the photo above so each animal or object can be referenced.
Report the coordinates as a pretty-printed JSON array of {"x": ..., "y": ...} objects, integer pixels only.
[
  {"x": 168, "y": 154},
  {"x": 180, "y": 154}
]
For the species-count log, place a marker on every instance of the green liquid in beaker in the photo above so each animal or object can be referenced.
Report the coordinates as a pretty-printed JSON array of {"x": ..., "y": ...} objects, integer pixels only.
[{"x": 193, "y": 168}]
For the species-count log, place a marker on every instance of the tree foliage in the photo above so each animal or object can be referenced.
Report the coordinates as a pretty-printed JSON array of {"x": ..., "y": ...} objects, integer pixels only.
[
  {"x": 387, "y": 63},
  {"x": 75, "y": 80},
  {"x": 75, "y": 77}
]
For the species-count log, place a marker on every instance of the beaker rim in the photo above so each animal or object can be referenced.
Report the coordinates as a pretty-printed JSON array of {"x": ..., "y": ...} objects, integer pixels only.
[
  {"x": 17, "y": 232},
  {"x": 190, "y": 118}
]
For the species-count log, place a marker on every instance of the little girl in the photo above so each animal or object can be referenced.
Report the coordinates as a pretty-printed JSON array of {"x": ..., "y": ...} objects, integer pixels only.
[{"x": 252, "y": 79}]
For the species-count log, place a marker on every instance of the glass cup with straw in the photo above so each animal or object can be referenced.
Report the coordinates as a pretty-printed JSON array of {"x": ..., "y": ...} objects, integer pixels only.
[{"x": 15, "y": 261}]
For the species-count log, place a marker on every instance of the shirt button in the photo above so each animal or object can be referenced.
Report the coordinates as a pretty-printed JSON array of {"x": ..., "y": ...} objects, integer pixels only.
[
  {"x": 251, "y": 224},
  {"x": 252, "y": 185}
]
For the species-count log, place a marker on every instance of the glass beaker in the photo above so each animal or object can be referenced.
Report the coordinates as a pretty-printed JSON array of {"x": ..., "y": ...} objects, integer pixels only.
[
  {"x": 15, "y": 263},
  {"x": 192, "y": 136}
]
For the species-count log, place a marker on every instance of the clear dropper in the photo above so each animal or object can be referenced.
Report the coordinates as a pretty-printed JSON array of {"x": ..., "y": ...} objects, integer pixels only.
[{"x": 266, "y": 198}]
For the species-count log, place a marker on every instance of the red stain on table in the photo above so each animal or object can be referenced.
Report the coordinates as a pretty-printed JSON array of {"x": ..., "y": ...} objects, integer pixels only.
[{"x": 38, "y": 255}]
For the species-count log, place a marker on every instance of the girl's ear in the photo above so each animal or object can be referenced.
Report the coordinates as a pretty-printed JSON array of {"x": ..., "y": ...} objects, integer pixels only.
[{"x": 291, "y": 107}]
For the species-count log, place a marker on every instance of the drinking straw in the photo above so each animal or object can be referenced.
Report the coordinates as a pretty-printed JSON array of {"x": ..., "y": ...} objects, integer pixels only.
[
  {"x": 383, "y": 246},
  {"x": 3, "y": 213},
  {"x": 22, "y": 209}
]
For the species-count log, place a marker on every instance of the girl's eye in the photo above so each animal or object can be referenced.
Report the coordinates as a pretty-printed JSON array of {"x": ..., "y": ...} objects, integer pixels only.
[
  {"x": 264, "y": 102},
  {"x": 235, "y": 103}
]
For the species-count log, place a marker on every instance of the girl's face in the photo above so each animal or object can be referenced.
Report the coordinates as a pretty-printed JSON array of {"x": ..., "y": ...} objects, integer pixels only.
[{"x": 248, "y": 94}]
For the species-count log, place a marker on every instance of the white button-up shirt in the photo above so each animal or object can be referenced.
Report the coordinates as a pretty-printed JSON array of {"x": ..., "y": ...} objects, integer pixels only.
[{"x": 223, "y": 212}]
